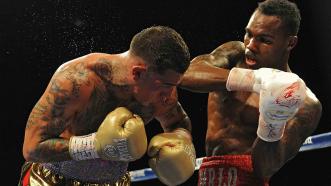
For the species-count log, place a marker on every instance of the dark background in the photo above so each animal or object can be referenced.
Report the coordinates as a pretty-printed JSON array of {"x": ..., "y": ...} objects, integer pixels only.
[{"x": 37, "y": 36}]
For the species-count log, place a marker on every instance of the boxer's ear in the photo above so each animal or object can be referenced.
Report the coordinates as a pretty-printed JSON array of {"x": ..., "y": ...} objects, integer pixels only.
[
  {"x": 138, "y": 71},
  {"x": 292, "y": 42}
]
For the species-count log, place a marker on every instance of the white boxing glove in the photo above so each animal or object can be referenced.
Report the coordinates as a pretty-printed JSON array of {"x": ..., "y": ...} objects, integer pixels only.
[
  {"x": 281, "y": 95},
  {"x": 280, "y": 99}
]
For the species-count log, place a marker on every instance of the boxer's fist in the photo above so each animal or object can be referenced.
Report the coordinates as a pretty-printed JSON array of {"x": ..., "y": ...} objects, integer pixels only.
[
  {"x": 173, "y": 157},
  {"x": 281, "y": 95},
  {"x": 120, "y": 137}
]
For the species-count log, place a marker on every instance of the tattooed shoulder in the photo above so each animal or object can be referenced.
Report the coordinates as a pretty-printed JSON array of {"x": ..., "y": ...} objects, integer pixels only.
[{"x": 103, "y": 69}]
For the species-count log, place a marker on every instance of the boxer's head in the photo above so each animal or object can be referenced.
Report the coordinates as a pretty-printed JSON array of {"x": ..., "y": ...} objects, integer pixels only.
[
  {"x": 162, "y": 48},
  {"x": 165, "y": 56},
  {"x": 271, "y": 34}
]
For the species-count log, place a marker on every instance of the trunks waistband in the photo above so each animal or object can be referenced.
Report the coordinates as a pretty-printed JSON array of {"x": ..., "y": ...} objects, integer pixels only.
[{"x": 236, "y": 170}]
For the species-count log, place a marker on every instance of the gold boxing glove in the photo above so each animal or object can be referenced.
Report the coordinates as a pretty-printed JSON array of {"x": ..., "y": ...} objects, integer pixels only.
[
  {"x": 173, "y": 157},
  {"x": 120, "y": 137}
]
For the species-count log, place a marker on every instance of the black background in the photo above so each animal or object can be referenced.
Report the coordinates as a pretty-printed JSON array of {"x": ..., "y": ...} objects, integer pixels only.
[{"x": 37, "y": 36}]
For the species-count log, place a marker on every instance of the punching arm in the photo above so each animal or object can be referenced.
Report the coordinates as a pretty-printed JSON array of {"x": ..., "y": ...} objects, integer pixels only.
[{"x": 209, "y": 72}]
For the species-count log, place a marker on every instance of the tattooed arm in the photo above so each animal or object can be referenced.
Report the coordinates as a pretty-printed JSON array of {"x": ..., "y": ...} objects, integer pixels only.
[
  {"x": 51, "y": 115},
  {"x": 268, "y": 157}
]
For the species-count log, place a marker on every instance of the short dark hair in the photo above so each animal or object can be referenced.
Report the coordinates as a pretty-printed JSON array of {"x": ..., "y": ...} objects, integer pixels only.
[
  {"x": 287, "y": 11},
  {"x": 162, "y": 48}
]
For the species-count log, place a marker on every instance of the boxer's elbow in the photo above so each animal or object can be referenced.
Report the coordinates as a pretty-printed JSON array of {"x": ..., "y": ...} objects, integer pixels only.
[
  {"x": 27, "y": 153},
  {"x": 30, "y": 152}
]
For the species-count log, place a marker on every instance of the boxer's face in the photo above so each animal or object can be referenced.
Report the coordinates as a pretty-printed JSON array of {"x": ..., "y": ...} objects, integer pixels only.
[
  {"x": 154, "y": 89},
  {"x": 266, "y": 42}
]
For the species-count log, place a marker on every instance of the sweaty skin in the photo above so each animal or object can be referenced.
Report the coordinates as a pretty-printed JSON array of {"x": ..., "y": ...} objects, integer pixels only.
[
  {"x": 79, "y": 96},
  {"x": 233, "y": 116}
]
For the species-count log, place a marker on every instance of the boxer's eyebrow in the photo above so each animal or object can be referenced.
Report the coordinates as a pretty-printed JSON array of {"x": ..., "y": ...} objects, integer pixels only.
[{"x": 262, "y": 34}]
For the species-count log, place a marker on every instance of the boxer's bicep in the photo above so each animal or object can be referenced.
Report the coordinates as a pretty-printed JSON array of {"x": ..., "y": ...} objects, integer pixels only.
[{"x": 175, "y": 118}]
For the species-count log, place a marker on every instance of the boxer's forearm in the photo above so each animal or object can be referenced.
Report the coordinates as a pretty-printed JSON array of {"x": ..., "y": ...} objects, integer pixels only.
[
  {"x": 174, "y": 118},
  {"x": 269, "y": 157},
  {"x": 41, "y": 143},
  {"x": 204, "y": 78},
  {"x": 208, "y": 72},
  {"x": 49, "y": 151},
  {"x": 184, "y": 123}
]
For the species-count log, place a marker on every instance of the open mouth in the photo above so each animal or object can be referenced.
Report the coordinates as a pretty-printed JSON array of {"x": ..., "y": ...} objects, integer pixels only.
[{"x": 250, "y": 60}]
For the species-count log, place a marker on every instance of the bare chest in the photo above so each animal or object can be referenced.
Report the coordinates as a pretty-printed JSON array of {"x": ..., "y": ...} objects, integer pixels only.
[
  {"x": 232, "y": 122},
  {"x": 239, "y": 108}
]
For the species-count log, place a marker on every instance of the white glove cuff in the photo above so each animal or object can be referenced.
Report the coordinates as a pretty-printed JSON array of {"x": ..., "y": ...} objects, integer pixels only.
[
  {"x": 270, "y": 132},
  {"x": 82, "y": 147},
  {"x": 240, "y": 79}
]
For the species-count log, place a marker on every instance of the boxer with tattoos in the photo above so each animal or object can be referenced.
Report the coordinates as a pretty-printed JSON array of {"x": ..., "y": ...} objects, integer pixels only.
[{"x": 89, "y": 123}]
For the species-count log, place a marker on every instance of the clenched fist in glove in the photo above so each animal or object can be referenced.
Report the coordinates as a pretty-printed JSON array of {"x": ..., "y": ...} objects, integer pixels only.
[
  {"x": 281, "y": 95},
  {"x": 173, "y": 156},
  {"x": 120, "y": 137}
]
